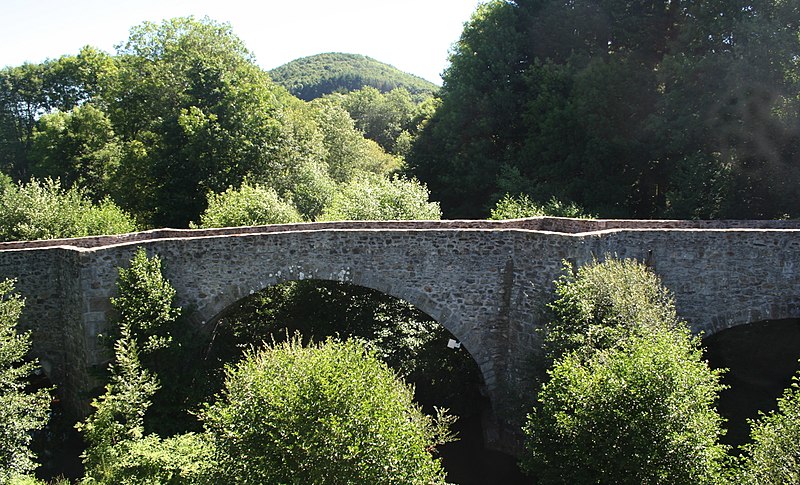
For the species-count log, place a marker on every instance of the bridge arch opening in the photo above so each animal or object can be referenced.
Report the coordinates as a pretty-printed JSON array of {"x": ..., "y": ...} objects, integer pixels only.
[
  {"x": 420, "y": 349},
  {"x": 761, "y": 358}
]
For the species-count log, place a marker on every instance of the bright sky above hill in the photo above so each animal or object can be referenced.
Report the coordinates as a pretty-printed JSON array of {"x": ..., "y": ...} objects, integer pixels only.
[{"x": 412, "y": 35}]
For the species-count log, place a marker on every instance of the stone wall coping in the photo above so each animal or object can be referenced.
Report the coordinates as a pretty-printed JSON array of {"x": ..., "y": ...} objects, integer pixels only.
[{"x": 543, "y": 225}]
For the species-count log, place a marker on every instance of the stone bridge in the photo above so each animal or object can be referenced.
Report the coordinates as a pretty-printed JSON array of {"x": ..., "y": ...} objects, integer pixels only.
[{"x": 487, "y": 282}]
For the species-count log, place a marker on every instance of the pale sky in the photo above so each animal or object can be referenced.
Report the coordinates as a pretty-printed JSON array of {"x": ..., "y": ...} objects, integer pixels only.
[{"x": 412, "y": 35}]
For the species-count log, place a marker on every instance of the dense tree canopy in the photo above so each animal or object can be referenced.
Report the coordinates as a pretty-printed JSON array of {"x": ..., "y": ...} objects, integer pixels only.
[
  {"x": 682, "y": 109},
  {"x": 180, "y": 111}
]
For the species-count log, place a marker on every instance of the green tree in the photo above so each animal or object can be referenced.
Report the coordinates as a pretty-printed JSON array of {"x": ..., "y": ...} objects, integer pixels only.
[
  {"x": 120, "y": 451},
  {"x": 773, "y": 456},
  {"x": 79, "y": 147},
  {"x": 349, "y": 154},
  {"x": 380, "y": 198},
  {"x": 386, "y": 118},
  {"x": 327, "y": 413},
  {"x": 458, "y": 154},
  {"x": 627, "y": 109},
  {"x": 145, "y": 303},
  {"x": 21, "y": 411},
  {"x": 627, "y": 397},
  {"x": 249, "y": 205},
  {"x": 201, "y": 113},
  {"x": 32, "y": 90},
  {"x": 44, "y": 210}
]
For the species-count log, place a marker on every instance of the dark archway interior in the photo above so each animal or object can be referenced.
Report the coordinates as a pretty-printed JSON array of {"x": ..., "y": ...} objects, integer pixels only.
[
  {"x": 761, "y": 359},
  {"x": 407, "y": 339}
]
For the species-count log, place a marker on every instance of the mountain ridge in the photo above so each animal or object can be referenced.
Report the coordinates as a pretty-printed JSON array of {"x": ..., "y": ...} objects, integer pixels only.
[{"x": 315, "y": 76}]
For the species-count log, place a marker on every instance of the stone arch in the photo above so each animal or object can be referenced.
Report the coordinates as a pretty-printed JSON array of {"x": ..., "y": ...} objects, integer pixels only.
[
  {"x": 761, "y": 358},
  {"x": 419, "y": 298},
  {"x": 753, "y": 313}
]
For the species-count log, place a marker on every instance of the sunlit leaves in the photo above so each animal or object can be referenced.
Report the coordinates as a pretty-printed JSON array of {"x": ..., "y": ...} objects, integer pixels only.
[
  {"x": 327, "y": 413},
  {"x": 21, "y": 412}
]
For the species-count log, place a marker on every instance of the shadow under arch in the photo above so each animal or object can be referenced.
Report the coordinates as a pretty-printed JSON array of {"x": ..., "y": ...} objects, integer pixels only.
[
  {"x": 223, "y": 304},
  {"x": 761, "y": 358},
  {"x": 467, "y": 461}
]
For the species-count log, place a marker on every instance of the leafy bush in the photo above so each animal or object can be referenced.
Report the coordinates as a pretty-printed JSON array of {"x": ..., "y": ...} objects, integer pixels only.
[
  {"x": 774, "y": 454},
  {"x": 641, "y": 412},
  {"x": 185, "y": 458},
  {"x": 328, "y": 413},
  {"x": 628, "y": 398},
  {"x": 601, "y": 304},
  {"x": 118, "y": 449},
  {"x": 510, "y": 207},
  {"x": 249, "y": 205},
  {"x": 118, "y": 420},
  {"x": 144, "y": 303},
  {"x": 43, "y": 210},
  {"x": 21, "y": 412},
  {"x": 380, "y": 198}
]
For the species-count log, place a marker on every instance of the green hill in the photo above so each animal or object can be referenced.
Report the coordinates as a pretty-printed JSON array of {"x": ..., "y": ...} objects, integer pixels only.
[{"x": 315, "y": 76}]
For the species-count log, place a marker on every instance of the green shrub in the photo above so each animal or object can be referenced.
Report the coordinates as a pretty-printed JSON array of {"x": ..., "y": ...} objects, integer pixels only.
[
  {"x": 600, "y": 304},
  {"x": 376, "y": 198},
  {"x": 641, "y": 412},
  {"x": 521, "y": 206},
  {"x": 44, "y": 210},
  {"x": 249, "y": 205},
  {"x": 627, "y": 397},
  {"x": 21, "y": 412},
  {"x": 328, "y": 413},
  {"x": 773, "y": 456},
  {"x": 181, "y": 459}
]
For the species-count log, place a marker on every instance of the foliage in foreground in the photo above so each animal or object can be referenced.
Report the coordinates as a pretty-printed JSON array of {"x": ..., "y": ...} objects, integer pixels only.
[
  {"x": 21, "y": 412},
  {"x": 773, "y": 456},
  {"x": 328, "y": 413},
  {"x": 44, "y": 210},
  {"x": 119, "y": 450},
  {"x": 405, "y": 338},
  {"x": 628, "y": 398}
]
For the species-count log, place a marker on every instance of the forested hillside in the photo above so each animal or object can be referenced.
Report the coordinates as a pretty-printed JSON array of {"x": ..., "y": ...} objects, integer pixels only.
[
  {"x": 629, "y": 109},
  {"x": 315, "y": 76}
]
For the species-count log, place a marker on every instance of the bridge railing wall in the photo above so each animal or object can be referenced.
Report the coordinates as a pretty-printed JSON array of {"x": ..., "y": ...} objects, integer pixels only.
[{"x": 547, "y": 224}]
